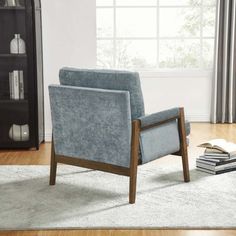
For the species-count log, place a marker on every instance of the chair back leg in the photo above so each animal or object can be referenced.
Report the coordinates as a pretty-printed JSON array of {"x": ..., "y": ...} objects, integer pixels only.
[
  {"x": 183, "y": 145},
  {"x": 134, "y": 160},
  {"x": 53, "y": 167}
]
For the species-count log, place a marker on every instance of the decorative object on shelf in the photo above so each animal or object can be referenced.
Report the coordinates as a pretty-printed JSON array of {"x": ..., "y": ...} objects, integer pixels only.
[
  {"x": 17, "y": 45},
  {"x": 13, "y": 3},
  {"x": 16, "y": 85},
  {"x": 19, "y": 132}
]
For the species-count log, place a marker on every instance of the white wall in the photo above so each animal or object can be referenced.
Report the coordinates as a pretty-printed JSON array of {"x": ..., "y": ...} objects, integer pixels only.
[
  {"x": 194, "y": 94},
  {"x": 69, "y": 33}
]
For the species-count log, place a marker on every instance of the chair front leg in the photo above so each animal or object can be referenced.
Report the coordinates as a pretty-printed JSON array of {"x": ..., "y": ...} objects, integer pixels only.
[
  {"x": 53, "y": 167},
  {"x": 134, "y": 160},
  {"x": 183, "y": 145}
]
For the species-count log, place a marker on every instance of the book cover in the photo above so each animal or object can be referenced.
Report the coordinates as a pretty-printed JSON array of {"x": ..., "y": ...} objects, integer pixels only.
[
  {"x": 221, "y": 145},
  {"x": 217, "y": 157},
  {"x": 215, "y": 162},
  {"x": 21, "y": 84},
  {"x": 205, "y": 162},
  {"x": 215, "y": 172},
  {"x": 11, "y": 84},
  {"x": 16, "y": 91},
  {"x": 216, "y": 168},
  {"x": 215, "y": 152}
]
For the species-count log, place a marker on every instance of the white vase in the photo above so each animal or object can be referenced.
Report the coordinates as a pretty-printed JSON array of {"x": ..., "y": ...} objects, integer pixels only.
[
  {"x": 19, "y": 132},
  {"x": 17, "y": 45}
]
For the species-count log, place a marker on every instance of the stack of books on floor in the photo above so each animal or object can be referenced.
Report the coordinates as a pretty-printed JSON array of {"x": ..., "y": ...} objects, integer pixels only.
[{"x": 219, "y": 157}]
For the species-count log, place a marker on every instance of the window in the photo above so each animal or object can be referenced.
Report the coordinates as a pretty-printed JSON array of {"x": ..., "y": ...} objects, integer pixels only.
[{"x": 152, "y": 35}]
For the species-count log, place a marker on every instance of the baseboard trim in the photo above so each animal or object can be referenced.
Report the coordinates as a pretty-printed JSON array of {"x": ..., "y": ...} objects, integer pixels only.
[
  {"x": 48, "y": 136},
  {"x": 198, "y": 118}
]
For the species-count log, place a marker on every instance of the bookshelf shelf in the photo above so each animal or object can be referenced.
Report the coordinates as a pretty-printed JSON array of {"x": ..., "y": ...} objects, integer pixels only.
[
  {"x": 18, "y": 8},
  {"x": 14, "y": 145},
  {"x": 21, "y": 75},
  {"x": 5, "y": 55},
  {"x": 13, "y": 102}
]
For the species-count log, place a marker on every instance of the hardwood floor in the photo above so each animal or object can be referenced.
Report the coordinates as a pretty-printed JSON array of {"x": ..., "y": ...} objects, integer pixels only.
[
  {"x": 122, "y": 233},
  {"x": 29, "y": 157},
  {"x": 200, "y": 132}
]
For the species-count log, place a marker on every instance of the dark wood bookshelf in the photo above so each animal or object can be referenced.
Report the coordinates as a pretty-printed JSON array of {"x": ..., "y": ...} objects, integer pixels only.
[
  {"x": 9, "y": 144},
  {"x": 12, "y": 8},
  {"x": 26, "y": 21},
  {"x": 5, "y": 55},
  {"x": 13, "y": 101}
]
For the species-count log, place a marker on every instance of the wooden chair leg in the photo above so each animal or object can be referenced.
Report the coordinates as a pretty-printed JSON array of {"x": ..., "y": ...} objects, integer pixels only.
[
  {"x": 132, "y": 187},
  {"x": 134, "y": 160},
  {"x": 53, "y": 167},
  {"x": 183, "y": 146},
  {"x": 185, "y": 167}
]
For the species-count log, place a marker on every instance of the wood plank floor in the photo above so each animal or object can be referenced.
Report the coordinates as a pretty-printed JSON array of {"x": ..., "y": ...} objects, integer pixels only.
[
  {"x": 200, "y": 132},
  {"x": 122, "y": 233}
]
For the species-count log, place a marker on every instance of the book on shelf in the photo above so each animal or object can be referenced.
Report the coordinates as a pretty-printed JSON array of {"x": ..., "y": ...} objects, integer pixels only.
[
  {"x": 219, "y": 147},
  {"x": 21, "y": 84},
  {"x": 10, "y": 85},
  {"x": 16, "y": 85}
]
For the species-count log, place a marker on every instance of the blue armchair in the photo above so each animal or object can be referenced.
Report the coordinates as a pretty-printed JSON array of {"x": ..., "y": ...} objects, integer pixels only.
[{"x": 99, "y": 123}]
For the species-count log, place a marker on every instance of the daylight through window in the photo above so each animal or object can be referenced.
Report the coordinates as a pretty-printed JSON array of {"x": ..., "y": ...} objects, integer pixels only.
[{"x": 155, "y": 34}]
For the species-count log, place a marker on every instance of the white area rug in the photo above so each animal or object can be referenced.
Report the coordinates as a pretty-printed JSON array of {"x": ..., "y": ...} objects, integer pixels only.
[{"x": 90, "y": 199}]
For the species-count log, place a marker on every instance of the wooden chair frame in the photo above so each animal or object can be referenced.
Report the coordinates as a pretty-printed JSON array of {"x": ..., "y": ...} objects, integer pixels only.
[{"x": 132, "y": 171}]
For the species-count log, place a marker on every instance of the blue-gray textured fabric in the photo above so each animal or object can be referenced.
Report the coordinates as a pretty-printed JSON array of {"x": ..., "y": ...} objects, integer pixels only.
[
  {"x": 159, "y": 141},
  {"x": 107, "y": 79},
  {"x": 187, "y": 127},
  {"x": 162, "y": 116},
  {"x": 159, "y": 117},
  {"x": 163, "y": 139},
  {"x": 90, "y": 105},
  {"x": 92, "y": 124}
]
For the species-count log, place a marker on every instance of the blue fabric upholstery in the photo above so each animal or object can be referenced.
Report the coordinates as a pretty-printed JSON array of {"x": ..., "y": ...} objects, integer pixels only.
[
  {"x": 92, "y": 124},
  {"x": 92, "y": 112},
  {"x": 163, "y": 139},
  {"x": 162, "y": 116},
  {"x": 187, "y": 127},
  {"x": 159, "y": 141},
  {"x": 107, "y": 79},
  {"x": 159, "y": 117}
]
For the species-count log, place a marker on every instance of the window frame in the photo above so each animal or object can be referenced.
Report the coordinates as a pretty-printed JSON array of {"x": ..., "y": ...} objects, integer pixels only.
[{"x": 165, "y": 72}]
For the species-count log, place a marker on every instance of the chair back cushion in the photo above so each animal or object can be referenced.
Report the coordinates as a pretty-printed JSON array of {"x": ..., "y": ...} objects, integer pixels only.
[{"x": 107, "y": 79}]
